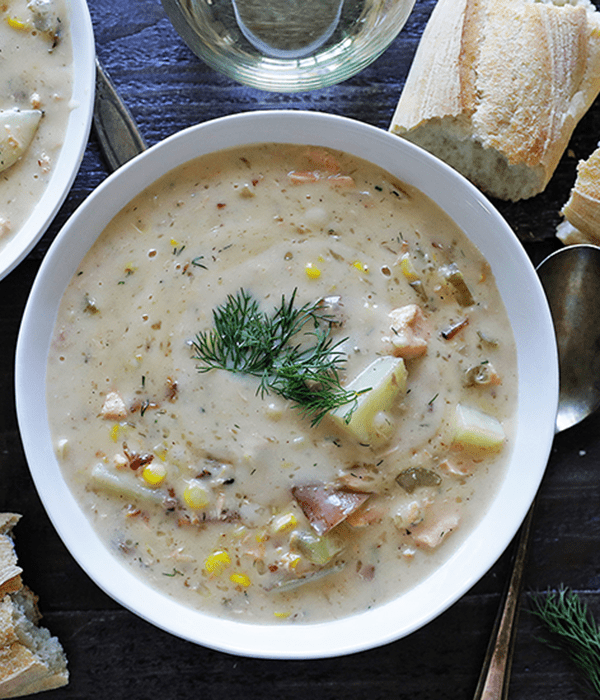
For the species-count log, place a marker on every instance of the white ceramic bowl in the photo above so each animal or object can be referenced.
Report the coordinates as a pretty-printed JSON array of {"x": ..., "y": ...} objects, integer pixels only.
[
  {"x": 537, "y": 395},
  {"x": 77, "y": 133}
]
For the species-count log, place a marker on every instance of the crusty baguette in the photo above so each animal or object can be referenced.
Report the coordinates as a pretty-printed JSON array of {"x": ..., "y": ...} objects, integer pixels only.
[
  {"x": 31, "y": 660},
  {"x": 497, "y": 87},
  {"x": 582, "y": 210}
]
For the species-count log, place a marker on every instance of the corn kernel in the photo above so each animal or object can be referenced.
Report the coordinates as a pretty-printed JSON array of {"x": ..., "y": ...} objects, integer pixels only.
[
  {"x": 282, "y": 615},
  {"x": 274, "y": 412},
  {"x": 240, "y": 580},
  {"x": 312, "y": 272},
  {"x": 114, "y": 432},
  {"x": 16, "y": 23},
  {"x": 285, "y": 522},
  {"x": 154, "y": 474},
  {"x": 240, "y": 531},
  {"x": 408, "y": 269},
  {"x": 261, "y": 536},
  {"x": 360, "y": 266},
  {"x": 217, "y": 562},
  {"x": 62, "y": 447},
  {"x": 195, "y": 496},
  {"x": 299, "y": 443},
  {"x": 174, "y": 243},
  {"x": 294, "y": 560}
]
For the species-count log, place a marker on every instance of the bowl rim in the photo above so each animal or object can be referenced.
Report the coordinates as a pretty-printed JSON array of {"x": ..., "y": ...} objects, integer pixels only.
[
  {"x": 537, "y": 392},
  {"x": 16, "y": 249}
]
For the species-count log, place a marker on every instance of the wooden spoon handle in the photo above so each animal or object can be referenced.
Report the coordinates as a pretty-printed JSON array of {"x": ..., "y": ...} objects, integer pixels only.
[{"x": 495, "y": 673}]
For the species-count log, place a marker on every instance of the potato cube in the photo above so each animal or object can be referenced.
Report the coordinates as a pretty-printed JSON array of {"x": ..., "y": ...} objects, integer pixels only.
[
  {"x": 17, "y": 129},
  {"x": 475, "y": 431},
  {"x": 386, "y": 380}
]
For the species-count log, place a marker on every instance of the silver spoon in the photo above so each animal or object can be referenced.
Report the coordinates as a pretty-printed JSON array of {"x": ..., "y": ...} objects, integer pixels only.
[
  {"x": 571, "y": 280},
  {"x": 118, "y": 135}
]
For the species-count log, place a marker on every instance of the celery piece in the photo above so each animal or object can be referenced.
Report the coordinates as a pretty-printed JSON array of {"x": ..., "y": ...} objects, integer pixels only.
[
  {"x": 288, "y": 583},
  {"x": 454, "y": 276},
  {"x": 417, "y": 477},
  {"x": 318, "y": 550},
  {"x": 124, "y": 484}
]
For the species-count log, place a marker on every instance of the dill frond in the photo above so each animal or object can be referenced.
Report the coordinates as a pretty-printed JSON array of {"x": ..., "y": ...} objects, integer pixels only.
[
  {"x": 290, "y": 351},
  {"x": 573, "y": 631}
]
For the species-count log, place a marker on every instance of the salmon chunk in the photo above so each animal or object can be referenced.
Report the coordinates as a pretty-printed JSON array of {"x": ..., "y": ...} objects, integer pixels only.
[
  {"x": 409, "y": 332},
  {"x": 430, "y": 535},
  {"x": 114, "y": 407}
]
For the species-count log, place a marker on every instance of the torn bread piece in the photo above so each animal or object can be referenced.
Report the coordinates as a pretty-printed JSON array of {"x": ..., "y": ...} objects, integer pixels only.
[
  {"x": 497, "y": 87},
  {"x": 31, "y": 660},
  {"x": 582, "y": 211},
  {"x": 10, "y": 572}
]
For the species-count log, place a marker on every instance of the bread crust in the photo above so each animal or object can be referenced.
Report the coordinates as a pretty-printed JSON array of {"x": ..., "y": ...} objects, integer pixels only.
[
  {"x": 21, "y": 671},
  {"x": 582, "y": 210},
  {"x": 10, "y": 572},
  {"x": 497, "y": 87},
  {"x": 30, "y": 659}
]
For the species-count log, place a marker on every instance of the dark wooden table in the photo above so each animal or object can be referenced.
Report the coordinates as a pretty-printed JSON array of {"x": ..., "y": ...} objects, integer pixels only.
[{"x": 113, "y": 654}]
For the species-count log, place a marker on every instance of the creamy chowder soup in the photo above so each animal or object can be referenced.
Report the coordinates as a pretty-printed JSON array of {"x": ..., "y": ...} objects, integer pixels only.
[
  {"x": 282, "y": 385},
  {"x": 35, "y": 94}
]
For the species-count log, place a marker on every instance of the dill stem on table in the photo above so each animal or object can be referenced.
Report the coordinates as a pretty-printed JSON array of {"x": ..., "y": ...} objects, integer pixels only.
[{"x": 573, "y": 631}]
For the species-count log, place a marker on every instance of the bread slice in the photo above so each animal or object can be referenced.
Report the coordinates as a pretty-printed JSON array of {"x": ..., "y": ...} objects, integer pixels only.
[
  {"x": 31, "y": 660},
  {"x": 497, "y": 87},
  {"x": 582, "y": 210}
]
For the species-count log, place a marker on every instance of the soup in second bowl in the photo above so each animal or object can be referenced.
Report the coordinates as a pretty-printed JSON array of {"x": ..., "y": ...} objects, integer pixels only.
[{"x": 35, "y": 103}]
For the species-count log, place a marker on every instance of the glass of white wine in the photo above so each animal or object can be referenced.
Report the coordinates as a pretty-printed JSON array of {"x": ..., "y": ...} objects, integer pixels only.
[{"x": 288, "y": 45}]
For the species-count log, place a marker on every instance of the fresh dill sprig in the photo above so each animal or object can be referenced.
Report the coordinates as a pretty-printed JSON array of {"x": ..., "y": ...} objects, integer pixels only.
[
  {"x": 300, "y": 364},
  {"x": 573, "y": 630}
]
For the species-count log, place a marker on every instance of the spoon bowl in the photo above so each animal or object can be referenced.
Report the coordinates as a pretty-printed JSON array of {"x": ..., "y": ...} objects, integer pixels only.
[{"x": 571, "y": 279}]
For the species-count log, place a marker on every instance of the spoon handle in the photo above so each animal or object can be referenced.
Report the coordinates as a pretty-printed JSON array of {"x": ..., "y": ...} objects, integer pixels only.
[
  {"x": 495, "y": 675},
  {"x": 118, "y": 135}
]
